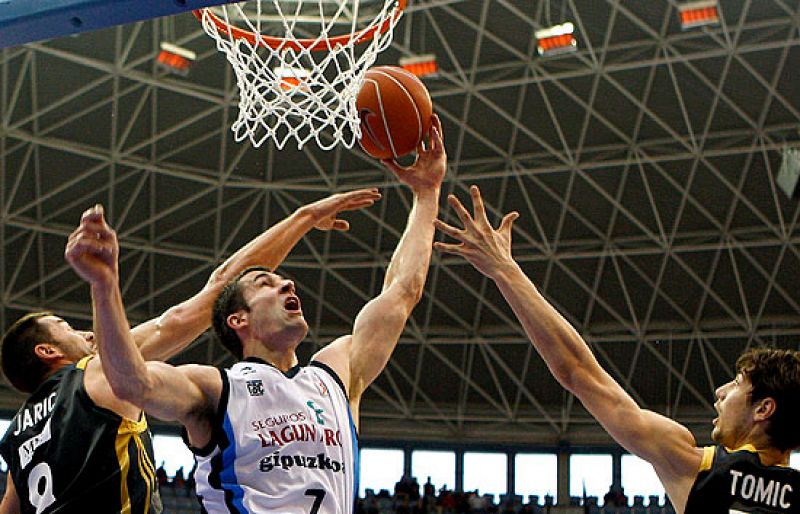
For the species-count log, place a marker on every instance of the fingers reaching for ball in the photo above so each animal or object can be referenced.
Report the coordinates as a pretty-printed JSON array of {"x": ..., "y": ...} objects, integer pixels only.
[{"x": 430, "y": 166}]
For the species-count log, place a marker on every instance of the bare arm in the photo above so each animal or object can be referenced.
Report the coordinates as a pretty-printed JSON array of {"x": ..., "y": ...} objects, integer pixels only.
[
  {"x": 163, "y": 337},
  {"x": 193, "y": 391},
  {"x": 360, "y": 358},
  {"x": 10, "y": 503},
  {"x": 666, "y": 444}
]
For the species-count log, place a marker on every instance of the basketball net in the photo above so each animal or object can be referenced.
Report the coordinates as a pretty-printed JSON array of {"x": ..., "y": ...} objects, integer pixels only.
[{"x": 300, "y": 88}]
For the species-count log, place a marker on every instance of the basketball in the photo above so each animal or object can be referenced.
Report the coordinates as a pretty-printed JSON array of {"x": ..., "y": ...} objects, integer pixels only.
[{"x": 395, "y": 110}]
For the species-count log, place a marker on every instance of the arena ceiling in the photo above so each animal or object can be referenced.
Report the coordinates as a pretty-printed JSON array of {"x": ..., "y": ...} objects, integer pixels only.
[{"x": 643, "y": 166}]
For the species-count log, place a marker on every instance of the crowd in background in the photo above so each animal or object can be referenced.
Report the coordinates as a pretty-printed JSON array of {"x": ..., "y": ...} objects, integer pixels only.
[{"x": 411, "y": 498}]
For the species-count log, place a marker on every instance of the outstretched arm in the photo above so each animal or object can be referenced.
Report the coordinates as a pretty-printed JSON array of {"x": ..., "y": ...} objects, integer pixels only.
[
  {"x": 92, "y": 250},
  {"x": 163, "y": 337},
  {"x": 359, "y": 359},
  {"x": 667, "y": 445}
]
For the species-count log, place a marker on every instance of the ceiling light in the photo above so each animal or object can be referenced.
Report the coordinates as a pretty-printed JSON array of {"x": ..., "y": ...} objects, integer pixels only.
[
  {"x": 697, "y": 14},
  {"x": 557, "y": 39},
  {"x": 175, "y": 59},
  {"x": 420, "y": 65},
  {"x": 291, "y": 77}
]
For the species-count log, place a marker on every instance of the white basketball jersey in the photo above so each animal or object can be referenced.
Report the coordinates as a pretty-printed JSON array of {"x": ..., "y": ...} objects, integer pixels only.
[{"x": 282, "y": 443}]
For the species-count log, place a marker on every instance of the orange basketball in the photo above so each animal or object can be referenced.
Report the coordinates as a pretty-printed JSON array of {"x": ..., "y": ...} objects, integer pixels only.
[{"x": 395, "y": 110}]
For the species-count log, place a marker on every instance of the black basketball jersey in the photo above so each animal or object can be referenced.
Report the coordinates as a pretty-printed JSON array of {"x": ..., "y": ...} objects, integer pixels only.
[
  {"x": 67, "y": 455},
  {"x": 735, "y": 481}
]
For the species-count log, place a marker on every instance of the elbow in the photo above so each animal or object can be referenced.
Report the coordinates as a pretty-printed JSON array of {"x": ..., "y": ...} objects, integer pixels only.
[
  {"x": 409, "y": 296},
  {"x": 571, "y": 375},
  {"x": 132, "y": 390},
  {"x": 409, "y": 292}
]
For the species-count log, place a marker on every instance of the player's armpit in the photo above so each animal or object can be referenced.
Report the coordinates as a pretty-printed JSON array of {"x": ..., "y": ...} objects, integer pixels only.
[{"x": 336, "y": 356}]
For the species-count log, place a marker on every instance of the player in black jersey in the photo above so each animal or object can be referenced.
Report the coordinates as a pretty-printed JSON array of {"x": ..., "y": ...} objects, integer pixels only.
[
  {"x": 759, "y": 410},
  {"x": 75, "y": 446}
]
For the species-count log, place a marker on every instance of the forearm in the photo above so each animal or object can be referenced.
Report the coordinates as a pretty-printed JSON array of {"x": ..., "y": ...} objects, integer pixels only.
[
  {"x": 408, "y": 267},
  {"x": 165, "y": 336},
  {"x": 268, "y": 249},
  {"x": 554, "y": 338},
  {"x": 122, "y": 362}
]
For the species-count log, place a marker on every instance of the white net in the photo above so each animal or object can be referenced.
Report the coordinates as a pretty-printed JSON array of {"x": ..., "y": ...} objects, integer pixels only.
[{"x": 300, "y": 64}]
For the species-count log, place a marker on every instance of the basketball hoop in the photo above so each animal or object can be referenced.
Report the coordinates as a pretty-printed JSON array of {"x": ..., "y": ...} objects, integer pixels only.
[{"x": 300, "y": 88}]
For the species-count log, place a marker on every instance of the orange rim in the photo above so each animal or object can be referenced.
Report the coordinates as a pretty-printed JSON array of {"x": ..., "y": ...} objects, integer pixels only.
[{"x": 315, "y": 45}]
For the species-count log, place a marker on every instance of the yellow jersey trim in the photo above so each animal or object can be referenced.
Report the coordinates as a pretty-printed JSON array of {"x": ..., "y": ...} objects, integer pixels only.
[
  {"x": 750, "y": 448},
  {"x": 130, "y": 429},
  {"x": 708, "y": 458}
]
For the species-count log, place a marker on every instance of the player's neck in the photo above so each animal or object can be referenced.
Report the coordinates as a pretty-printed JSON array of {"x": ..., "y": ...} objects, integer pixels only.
[
  {"x": 771, "y": 456},
  {"x": 284, "y": 360}
]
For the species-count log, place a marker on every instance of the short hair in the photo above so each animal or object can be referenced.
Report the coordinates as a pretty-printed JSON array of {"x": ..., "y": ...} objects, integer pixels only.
[
  {"x": 775, "y": 374},
  {"x": 230, "y": 300},
  {"x": 21, "y": 366}
]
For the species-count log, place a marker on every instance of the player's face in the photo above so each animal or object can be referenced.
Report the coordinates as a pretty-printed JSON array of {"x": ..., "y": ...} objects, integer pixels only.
[
  {"x": 735, "y": 419},
  {"x": 276, "y": 315},
  {"x": 75, "y": 344}
]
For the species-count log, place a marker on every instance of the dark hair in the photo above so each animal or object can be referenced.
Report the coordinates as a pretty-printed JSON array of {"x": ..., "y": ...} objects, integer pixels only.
[
  {"x": 20, "y": 364},
  {"x": 776, "y": 374},
  {"x": 230, "y": 300}
]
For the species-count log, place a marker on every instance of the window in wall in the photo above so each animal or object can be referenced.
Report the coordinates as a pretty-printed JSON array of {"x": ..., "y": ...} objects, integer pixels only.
[
  {"x": 639, "y": 478},
  {"x": 486, "y": 472},
  {"x": 589, "y": 472},
  {"x": 440, "y": 466},
  {"x": 173, "y": 453},
  {"x": 380, "y": 469},
  {"x": 536, "y": 473}
]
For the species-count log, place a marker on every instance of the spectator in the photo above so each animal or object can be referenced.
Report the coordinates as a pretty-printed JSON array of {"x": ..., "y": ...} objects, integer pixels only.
[
  {"x": 179, "y": 482},
  {"x": 161, "y": 475},
  {"x": 638, "y": 505},
  {"x": 428, "y": 489},
  {"x": 447, "y": 501}
]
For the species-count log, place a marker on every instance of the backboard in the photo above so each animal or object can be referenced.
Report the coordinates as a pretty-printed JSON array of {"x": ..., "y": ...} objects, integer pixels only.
[{"x": 26, "y": 21}]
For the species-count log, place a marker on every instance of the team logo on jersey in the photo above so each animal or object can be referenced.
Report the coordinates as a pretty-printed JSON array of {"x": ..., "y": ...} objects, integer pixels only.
[
  {"x": 255, "y": 387},
  {"x": 247, "y": 370},
  {"x": 317, "y": 412},
  {"x": 287, "y": 462}
]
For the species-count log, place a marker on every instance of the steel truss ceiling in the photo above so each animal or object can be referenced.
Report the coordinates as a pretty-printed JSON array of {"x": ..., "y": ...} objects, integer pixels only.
[{"x": 643, "y": 167}]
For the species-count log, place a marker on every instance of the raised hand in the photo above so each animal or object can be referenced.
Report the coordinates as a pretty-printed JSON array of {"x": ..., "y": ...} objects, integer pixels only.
[
  {"x": 92, "y": 248},
  {"x": 487, "y": 249},
  {"x": 429, "y": 169},
  {"x": 325, "y": 211}
]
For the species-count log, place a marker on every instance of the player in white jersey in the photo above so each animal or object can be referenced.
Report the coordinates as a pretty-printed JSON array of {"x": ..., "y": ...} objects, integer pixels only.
[
  {"x": 289, "y": 433},
  {"x": 271, "y": 435}
]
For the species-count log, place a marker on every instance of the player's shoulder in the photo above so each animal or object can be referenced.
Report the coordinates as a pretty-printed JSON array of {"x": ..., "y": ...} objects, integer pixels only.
[
  {"x": 199, "y": 372},
  {"x": 336, "y": 355}
]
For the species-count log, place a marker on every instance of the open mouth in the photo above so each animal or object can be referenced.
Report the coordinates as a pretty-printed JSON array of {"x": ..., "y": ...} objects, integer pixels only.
[{"x": 292, "y": 304}]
